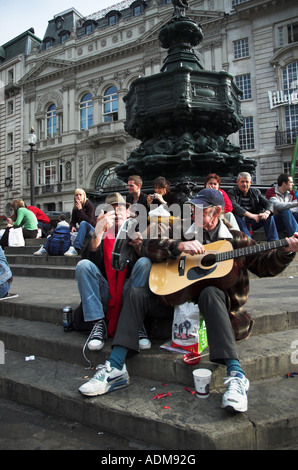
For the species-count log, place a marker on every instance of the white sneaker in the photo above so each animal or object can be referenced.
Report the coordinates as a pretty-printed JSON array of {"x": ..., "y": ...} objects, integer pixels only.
[
  {"x": 71, "y": 252},
  {"x": 235, "y": 398},
  {"x": 105, "y": 380},
  {"x": 41, "y": 251}
]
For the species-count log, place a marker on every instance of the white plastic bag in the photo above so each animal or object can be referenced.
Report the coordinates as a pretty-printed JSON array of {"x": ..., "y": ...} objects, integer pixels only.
[
  {"x": 189, "y": 328},
  {"x": 73, "y": 236},
  {"x": 16, "y": 237},
  {"x": 160, "y": 211}
]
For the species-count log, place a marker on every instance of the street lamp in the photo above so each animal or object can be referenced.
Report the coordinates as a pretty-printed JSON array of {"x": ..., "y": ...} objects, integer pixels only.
[{"x": 32, "y": 141}]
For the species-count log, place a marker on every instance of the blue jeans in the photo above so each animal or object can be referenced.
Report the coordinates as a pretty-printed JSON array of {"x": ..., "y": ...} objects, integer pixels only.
[
  {"x": 85, "y": 229},
  {"x": 4, "y": 289},
  {"x": 268, "y": 224},
  {"x": 94, "y": 288},
  {"x": 286, "y": 220}
]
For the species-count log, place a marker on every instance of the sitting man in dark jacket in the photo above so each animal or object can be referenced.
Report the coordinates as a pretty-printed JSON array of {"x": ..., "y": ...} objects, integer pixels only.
[
  {"x": 220, "y": 302},
  {"x": 251, "y": 209}
]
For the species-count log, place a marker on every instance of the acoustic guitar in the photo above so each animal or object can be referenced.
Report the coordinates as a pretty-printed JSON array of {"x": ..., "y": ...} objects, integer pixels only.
[{"x": 177, "y": 281}]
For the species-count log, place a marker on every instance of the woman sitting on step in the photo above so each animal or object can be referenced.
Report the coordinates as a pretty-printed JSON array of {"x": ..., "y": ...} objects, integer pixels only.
[
  {"x": 23, "y": 218},
  {"x": 83, "y": 221}
]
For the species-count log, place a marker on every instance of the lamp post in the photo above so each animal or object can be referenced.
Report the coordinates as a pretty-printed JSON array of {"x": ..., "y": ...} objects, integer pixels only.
[{"x": 32, "y": 141}]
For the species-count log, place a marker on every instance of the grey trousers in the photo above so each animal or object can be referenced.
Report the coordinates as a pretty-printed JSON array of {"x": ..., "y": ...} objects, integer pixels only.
[{"x": 212, "y": 303}]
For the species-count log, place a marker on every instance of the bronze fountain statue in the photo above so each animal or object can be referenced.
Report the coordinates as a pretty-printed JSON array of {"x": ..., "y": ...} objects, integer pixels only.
[{"x": 184, "y": 114}]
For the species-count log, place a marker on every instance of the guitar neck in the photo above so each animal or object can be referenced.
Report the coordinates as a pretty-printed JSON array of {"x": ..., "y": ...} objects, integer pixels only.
[{"x": 250, "y": 250}]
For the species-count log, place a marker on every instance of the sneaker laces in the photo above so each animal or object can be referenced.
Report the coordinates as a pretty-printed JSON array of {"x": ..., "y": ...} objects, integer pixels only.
[
  {"x": 142, "y": 332},
  {"x": 101, "y": 369},
  {"x": 98, "y": 332},
  {"x": 236, "y": 385}
]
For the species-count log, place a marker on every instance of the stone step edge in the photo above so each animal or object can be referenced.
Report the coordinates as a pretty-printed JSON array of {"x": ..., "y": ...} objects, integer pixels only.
[
  {"x": 39, "y": 271},
  {"x": 180, "y": 421},
  {"x": 264, "y": 321},
  {"x": 49, "y": 261},
  {"x": 261, "y": 356}
]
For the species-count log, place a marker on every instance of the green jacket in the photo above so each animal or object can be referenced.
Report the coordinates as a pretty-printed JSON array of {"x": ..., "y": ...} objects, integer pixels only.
[{"x": 26, "y": 219}]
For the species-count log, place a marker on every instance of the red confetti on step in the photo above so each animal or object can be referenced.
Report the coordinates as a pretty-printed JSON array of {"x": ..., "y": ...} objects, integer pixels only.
[
  {"x": 162, "y": 395},
  {"x": 193, "y": 392}
]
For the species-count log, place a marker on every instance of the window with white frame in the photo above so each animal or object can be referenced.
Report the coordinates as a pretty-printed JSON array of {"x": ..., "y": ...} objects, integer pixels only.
[
  {"x": 110, "y": 105},
  {"x": 286, "y": 167},
  {"x": 292, "y": 32},
  {"x": 112, "y": 19},
  {"x": 241, "y": 48},
  {"x": 244, "y": 83},
  {"x": 290, "y": 88},
  {"x": 86, "y": 112},
  {"x": 9, "y": 173},
  {"x": 10, "y": 76},
  {"x": 51, "y": 121},
  {"x": 10, "y": 142},
  {"x": 68, "y": 171},
  {"x": 49, "y": 172},
  {"x": 10, "y": 107},
  {"x": 246, "y": 134},
  {"x": 63, "y": 37},
  {"x": 136, "y": 11}
]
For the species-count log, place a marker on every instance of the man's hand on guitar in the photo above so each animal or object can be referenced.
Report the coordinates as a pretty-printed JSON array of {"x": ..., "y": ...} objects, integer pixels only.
[
  {"x": 193, "y": 247},
  {"x": 292, "y": 244},
  {"x": 136, "y": 242}
]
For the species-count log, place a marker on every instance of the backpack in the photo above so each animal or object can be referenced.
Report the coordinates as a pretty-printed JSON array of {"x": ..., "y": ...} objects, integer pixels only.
[{"x": 59, "y": 242}]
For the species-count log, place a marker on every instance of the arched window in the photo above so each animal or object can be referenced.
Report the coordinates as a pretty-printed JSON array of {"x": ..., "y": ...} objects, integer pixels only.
[
  {"x": 108, "y": 180},
  {"x": 90, "y": 26},
  {"x": 110, "y": 103},
  {"x": 290, "y": 88},
  {"x": 113, "y": 17},
  {"x": 138, "y": 7},
  {"x": 86, "y": 112},
  {"x": 63, "y": 36},
  {"x": 51, "y": 121}
]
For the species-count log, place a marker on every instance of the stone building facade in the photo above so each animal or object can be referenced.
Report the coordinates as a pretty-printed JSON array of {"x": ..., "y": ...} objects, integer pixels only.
[
  {"x": 12, "y": 69},
  {"x": 74, "y": 83}
]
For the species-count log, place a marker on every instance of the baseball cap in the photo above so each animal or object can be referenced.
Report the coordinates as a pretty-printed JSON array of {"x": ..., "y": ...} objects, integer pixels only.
[
  {"x": 207, "y": 198},
  {"x": 116, "y": 198}
]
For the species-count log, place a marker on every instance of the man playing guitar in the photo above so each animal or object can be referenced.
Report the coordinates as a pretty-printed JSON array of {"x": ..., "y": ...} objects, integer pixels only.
[{"x": 221, "y": 307}]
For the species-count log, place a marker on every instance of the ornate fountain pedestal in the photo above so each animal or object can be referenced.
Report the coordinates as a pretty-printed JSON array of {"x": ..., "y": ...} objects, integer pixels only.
[{"x": 184, "y": 114}]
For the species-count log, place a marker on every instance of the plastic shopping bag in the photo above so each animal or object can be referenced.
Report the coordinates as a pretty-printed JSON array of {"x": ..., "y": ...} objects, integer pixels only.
[
  {"x": 16, "y": 237},
  {"x": 189, "y": 328}
]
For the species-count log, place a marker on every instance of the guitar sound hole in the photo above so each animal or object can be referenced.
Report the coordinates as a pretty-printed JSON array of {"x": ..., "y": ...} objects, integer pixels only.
[{"x": 208, "y": 260}]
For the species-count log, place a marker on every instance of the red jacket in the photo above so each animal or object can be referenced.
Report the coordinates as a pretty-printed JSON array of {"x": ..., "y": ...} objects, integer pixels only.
[
  {"x": 228, "y": 204},
  {"x": 40, "y": 215}
]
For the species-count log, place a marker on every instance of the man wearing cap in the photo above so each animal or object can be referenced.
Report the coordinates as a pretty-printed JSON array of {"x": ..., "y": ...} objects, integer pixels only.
[
  {"x": 102, "y": 288},
  {"x": 225, "y": 319}
]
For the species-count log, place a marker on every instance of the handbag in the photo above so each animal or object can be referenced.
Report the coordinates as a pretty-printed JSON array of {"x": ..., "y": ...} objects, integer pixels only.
[{"x": 16, "y": 237}]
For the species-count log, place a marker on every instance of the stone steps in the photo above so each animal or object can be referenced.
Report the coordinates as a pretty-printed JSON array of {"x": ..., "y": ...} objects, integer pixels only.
[
  {"x": 31, "y": 325},
  {"x": 177, "y": 422}
]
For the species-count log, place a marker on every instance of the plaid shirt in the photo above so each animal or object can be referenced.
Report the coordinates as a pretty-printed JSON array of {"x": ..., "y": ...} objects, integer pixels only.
[{"x": 264, "y": 264}]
